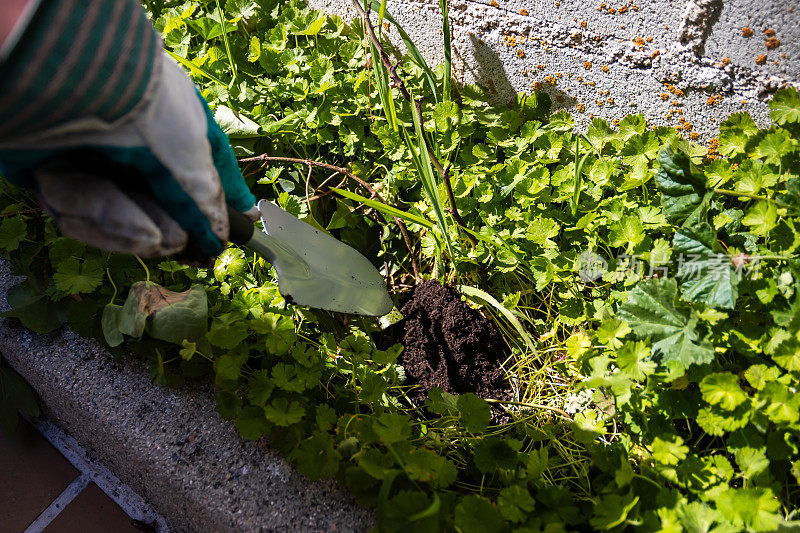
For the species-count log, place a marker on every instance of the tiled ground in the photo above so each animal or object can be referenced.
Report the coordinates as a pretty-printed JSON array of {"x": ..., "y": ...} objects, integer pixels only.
[{"x": 33, "y": 475}]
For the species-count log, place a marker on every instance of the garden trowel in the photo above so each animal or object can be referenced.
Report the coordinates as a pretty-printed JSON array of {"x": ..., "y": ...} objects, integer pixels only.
[{"x": 314, "y": 269}]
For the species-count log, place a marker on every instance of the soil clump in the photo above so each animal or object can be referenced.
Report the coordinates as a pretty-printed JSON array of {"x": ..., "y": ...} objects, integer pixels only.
[{"x": 448, "y": 345}]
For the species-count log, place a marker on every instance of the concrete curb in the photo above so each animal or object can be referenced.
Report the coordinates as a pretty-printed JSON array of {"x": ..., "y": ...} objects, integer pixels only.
[{"x": 170, "y": 446}]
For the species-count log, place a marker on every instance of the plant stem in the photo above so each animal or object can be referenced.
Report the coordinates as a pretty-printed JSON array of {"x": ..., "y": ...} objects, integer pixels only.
[
  {"x": 266, "y": 158},
  {"x": 729, "y": 192},
  {"x": 533, "y": 405}
]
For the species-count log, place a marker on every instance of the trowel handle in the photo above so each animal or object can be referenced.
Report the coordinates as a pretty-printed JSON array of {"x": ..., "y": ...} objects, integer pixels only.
[{"x": 241, "y": 227}]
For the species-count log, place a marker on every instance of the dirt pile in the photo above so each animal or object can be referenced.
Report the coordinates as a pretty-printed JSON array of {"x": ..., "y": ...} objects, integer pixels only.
[{"x": 449, "y": 345}]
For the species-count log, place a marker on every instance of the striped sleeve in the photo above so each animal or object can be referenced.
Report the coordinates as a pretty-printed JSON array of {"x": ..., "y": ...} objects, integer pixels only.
[{"x": 77, "y": 59}]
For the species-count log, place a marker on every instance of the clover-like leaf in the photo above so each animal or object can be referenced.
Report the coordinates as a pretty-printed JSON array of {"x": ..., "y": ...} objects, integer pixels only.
[
  {"x": 74, "y": 276},
  {"x": 761, "y": 218},
  {"x": 515, "y": 502},
  {"x": 475, "y": 514},
  {"x": 282, "y": 413},
  {"x": 669, "y": 450},
  {"x": 475, "y": 412},
  {"x": 493, "y": 453},
  {"x": 785, "y": 106},
  {"x": 722, "y": 388},
  {"x": 12, "y": 231},
  {"x": 755, "y": 508}
]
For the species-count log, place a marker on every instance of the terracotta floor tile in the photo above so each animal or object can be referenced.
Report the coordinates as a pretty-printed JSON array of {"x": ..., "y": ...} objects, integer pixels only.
[
  {"x": 32, "y": 475},
  {"x": 92, "y": 511}
]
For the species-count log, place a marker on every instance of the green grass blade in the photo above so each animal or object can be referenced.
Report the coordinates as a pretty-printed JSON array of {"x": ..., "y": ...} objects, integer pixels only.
[
  {"x": 385, "y": 209},
  {"x": 447, "y": 51},
  {"x": 227, "y": 44},
  {"x": 429, "y": 182},
  {"x": 194, "y": 68},
  {"x": 485, "y": 297},
  {"x": 384, "y": 91},
  {"x": 413, "y": 52}
]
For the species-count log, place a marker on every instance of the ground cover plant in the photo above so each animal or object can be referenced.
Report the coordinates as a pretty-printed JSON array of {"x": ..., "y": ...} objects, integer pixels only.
[{"x": 645, "y": 290}]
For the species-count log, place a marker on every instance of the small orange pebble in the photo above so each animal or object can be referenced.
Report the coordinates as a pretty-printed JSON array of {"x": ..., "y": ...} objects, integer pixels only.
[
  {"x": 678, "y": 93},
  {"x": 559, "y": 75},
  {"x": 581, "y": 108},
  {"x": 386, "y": 26},
  {"x": 694, "y": 135},
  {"x": 711, "y": 101},
  {"x": 550, "y": 79},
  {"x": 664, "y": 96},
  {"x": 587, "y": 65},
  {"x": 671, "y": 88},
  {"x": 591, "y": 84},
  {"x": 747, "y": 31},
  {"x": 540, "y": 67},
  {"x": 493, "y": 3},
  {"x": 772, "y": 43},
  {"x": 769, "y": 32},
  {"x": 635, "y": 7},
  {"x": 687, "y": 126},
  {"x": 520, "y": 53},
  {"x": 605, "y": 68},
  {"x": 523, "y": 12},
  {"x": 622, "y": 10},
  {"x": 648, "y": 39},
  {"x": 599, "y": 102},
  {"x": 583, "y": 24},
  {"x": 610, "y": 101},
  {"x": 580, "y": 78},
  {"x": 725, "y": 61},
  {"x": 676, "y": 103},
  {"x": 639, "y": 41},
  {"x": 558, "y": 4},
  {"x": 602, "y": 6},
  {"x": 612, "y": 10},
  {"x": 760, "y": 60},
  {"x": 615, "y": 122},
  {"x": 681, "y": 119},
  {"x": 655, "y": 53},
  {"x": 597, "y": 39},
  {"x": 537, "y": 86}
]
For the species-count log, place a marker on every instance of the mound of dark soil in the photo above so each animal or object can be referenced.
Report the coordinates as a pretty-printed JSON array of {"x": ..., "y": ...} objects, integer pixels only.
[{"x": 448, "y": 345}]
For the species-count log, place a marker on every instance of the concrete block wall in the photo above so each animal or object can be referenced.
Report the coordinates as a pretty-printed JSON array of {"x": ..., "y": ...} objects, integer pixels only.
[{"x": 676, "y": 61}]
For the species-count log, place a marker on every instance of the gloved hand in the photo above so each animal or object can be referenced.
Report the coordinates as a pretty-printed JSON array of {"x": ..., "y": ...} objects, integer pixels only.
[{"x": 149, "y": 182}]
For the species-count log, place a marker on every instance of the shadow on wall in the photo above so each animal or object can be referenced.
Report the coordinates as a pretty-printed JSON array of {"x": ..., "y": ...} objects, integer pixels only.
[{"x": 488, "y": 71}]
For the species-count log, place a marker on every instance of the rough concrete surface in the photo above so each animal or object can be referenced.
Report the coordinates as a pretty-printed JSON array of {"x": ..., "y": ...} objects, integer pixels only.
[
  {"x": 170, "y": 446},
  {"x": 675, "y": 61}
]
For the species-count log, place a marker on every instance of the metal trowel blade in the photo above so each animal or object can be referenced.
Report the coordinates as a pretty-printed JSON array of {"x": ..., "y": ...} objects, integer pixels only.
[{"x": 316, "y": 270}]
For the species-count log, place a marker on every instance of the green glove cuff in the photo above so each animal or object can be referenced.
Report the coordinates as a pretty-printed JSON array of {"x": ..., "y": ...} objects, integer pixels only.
[{"x": 237, "y": 194}]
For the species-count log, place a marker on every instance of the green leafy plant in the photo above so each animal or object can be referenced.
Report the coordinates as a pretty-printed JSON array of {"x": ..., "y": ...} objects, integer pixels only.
[{"x": 646, "y": 287}]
